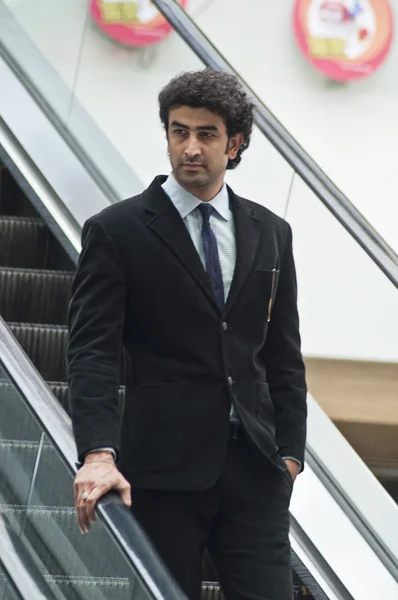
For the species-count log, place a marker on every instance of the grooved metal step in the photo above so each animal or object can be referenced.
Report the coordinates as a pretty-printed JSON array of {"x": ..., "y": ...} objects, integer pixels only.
[
  {"x": 12, "y": 199},
  {"x": 45, "y": 345},
  {"x": 23, "y": 242},
  {"x": 60, "y": 391},
  {"x": 35, "y": 296}
]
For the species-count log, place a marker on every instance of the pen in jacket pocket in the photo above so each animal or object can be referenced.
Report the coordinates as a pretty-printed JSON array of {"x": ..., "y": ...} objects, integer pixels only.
[{"x": 272, "y": 294}]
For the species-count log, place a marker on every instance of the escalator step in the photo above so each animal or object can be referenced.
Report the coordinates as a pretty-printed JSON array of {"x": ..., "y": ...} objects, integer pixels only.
[
  {"x": 45, "y": 345},
  {"x": 60, "y": 391},
  {"x": 12, "y": 199},
  {"x": 34, "y": 296},
  {"x": 23, "y": 242}
]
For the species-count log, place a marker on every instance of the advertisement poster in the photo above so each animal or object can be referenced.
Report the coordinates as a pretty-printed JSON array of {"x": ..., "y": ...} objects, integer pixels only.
[
  {"x": 136, "y": 23},
  {"x": 346, "y": 39}
]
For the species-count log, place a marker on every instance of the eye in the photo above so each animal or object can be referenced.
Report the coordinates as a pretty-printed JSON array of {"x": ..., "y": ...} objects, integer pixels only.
[
  {"x": 179, "y": 131},
  {"x": 207, "y": 134}
]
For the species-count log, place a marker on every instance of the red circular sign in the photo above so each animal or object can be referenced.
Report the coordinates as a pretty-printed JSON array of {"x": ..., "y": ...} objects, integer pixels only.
[
  {"x": 345, "y": 39},
  {"x": 134, "y": 23}
]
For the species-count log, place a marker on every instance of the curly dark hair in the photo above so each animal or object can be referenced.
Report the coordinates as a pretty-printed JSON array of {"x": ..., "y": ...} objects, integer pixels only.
[{"x": 216, "y": 91}]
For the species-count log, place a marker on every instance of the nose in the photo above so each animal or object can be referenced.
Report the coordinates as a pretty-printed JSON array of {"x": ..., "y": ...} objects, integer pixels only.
[{"x": 192, "y": 148}]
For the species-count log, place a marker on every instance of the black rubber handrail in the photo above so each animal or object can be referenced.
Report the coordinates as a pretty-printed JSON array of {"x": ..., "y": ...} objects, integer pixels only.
[
  {"x": 54, "y": 421},
  {"x": 323, "y": 187}
]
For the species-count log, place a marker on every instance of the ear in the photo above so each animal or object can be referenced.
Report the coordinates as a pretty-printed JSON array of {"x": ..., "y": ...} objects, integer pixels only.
[{"x": 235, "y": 143}]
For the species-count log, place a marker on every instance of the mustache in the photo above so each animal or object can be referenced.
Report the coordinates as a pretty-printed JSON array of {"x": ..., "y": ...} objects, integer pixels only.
[{"x": 193, "y": 162}]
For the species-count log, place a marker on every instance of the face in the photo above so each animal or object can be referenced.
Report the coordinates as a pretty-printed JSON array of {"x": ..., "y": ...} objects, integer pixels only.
[{"x": 200, "y": 149}]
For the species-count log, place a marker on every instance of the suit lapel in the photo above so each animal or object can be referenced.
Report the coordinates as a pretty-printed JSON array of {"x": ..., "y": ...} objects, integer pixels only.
[
  {"x": 167, "y": 224},
  {"x": 248, "y": 229}
]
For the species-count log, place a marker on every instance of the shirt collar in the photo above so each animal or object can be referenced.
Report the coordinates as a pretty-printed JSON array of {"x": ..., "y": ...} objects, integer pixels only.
[{"x": 185, "y": 202}]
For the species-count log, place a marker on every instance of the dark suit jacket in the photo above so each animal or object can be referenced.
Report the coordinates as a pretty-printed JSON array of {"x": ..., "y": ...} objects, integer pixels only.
[{"x": 140, "y": 281}]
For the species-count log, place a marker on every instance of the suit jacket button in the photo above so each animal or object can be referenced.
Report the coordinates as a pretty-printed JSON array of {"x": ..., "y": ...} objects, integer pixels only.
[
  {"x": 225, "y": 326},
  {"x": 230, "y": 381}
]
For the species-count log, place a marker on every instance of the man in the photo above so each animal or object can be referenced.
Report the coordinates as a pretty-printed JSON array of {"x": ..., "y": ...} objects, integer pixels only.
[{"x": 199, "y": 285}]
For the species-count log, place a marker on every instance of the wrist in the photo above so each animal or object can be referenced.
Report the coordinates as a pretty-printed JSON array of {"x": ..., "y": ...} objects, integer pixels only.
[{"x": 101, "y": 455}]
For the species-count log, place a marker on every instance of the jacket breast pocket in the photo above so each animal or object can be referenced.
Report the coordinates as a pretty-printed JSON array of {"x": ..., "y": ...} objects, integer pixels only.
[{"x": 153, "y": 428}]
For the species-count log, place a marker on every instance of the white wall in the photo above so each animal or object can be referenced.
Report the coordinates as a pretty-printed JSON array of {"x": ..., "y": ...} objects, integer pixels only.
[
  {"x": 351, "y": 130},
  {"x": 348, "y": 309}
]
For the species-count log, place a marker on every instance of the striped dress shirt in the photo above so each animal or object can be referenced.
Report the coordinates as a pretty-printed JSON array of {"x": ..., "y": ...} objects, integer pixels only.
[{"x": 221, "y": 222}]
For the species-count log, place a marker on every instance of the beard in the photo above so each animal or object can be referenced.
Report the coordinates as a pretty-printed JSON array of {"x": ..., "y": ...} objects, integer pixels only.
[{"x": 196, "y": 178}]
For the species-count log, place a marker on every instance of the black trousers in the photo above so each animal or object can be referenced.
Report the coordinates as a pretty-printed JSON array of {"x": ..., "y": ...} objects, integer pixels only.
[{"x": 243, "y": 521}]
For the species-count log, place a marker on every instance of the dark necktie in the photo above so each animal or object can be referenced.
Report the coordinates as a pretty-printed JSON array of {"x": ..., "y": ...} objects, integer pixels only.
[{"x": 212, "y": 260}]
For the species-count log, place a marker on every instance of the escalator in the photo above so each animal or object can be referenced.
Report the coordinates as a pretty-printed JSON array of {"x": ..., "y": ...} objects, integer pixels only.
[
  {"x": 338, "y": 509},
  {"x": 36, "y": 495},
  {"x": 35, "y": 279},
  {"x": 38, "y": 524}
]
